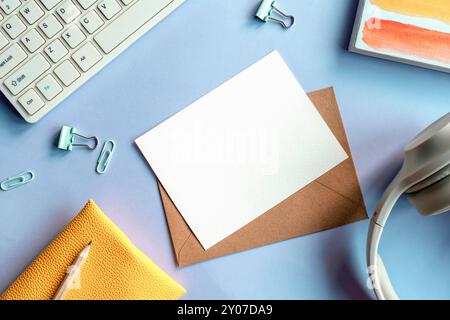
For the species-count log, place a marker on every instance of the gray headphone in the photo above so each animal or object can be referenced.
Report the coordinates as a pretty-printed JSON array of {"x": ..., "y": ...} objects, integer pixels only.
[{"x": 425, "y": 178}]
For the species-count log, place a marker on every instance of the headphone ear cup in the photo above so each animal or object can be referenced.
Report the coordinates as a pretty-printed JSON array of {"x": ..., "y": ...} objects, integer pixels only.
[{"x": 432, "y": 200}]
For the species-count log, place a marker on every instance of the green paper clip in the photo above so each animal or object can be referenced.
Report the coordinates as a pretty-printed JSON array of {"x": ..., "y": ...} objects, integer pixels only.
[
  {"x": 67, "y": 139},
  {"x": 266, "y": 9},
  {"x": 105, "y": 156},
  {"x": 17, "y": 181}
]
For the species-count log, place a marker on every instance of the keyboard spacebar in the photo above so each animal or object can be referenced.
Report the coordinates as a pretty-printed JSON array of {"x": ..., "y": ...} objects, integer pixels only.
[{"x": 128, "y": 23}]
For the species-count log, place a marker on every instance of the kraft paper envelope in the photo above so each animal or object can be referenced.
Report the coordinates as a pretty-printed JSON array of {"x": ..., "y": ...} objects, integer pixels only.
[{"x": 333, "y": 200}]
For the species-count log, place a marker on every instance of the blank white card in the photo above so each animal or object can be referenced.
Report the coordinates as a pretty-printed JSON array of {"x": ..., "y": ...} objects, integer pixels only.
[{"x": 241, "y": 149}]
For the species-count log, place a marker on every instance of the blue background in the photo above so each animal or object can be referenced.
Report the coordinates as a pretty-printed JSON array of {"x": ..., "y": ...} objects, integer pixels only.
[{"x": 202, "y": 44}]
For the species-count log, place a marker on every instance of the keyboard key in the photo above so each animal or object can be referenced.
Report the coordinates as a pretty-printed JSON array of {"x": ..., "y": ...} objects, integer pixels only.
[
  {"x": 50, "y": 26},
  {"x": 91, "y": 22},
  {"x": 32, "y": 40},
  {"x": 14, "y": 27},
  {"x": 86, "y": 3},
  {"x": 50, "y": 47},
  {"x": 10, "y": 58},
  {"x": 109, "y": 8},
  {"x": 68, "y": 11},
  {"x": 73, "y": 36},
  {"x": 56, "y": 51},
  {"x": 26, "y": 74},
  {"x": 31, "y": 12},
  {"x": 9, "y": 5},
  {"x": 87, "y": 57},
  {"x": 3, "y": 41},
  {"x": 50, "y": 4},
  {"x": 67, "y": 73},
  {"x": 31, "y": 102},
  {"x": 126, "y": 24},
  {"x": 49, "y": 87}
]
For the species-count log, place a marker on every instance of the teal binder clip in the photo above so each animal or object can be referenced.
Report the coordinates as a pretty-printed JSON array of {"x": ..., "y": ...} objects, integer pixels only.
[
  {"x": 67, "y": 139},
  {"x": 265, "y": 13},
  {"x": 105, "y": 156},
  {"x": 17, "y": 181}
]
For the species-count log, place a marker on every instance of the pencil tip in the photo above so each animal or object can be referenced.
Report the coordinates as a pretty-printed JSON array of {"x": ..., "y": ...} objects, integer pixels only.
[{"x": 90, "y": 242}]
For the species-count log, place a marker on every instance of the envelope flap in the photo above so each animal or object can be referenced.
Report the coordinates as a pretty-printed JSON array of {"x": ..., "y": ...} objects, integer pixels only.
[
  {"x": 179, "y": 229},
  {"x": 343, "y": 178},
  {"x": 325, "y": 102}
]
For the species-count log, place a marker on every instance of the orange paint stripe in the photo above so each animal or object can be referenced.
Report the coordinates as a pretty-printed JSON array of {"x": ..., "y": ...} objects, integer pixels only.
[
  {"x": 435, "y": 9},
  {"x": 397, "y": 37}
]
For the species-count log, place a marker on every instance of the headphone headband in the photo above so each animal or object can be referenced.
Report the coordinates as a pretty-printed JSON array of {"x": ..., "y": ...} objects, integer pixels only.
[
  {"x": 406, "y": 179},
  {"x": 380, "y": 282}
]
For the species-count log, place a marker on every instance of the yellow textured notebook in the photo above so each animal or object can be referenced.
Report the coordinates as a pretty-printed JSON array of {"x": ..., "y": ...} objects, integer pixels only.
[{"x": 115, "y": 268}]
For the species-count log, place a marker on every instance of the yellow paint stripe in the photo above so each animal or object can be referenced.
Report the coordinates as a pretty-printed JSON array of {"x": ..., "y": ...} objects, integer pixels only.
[{"x": 435, "y": 9}]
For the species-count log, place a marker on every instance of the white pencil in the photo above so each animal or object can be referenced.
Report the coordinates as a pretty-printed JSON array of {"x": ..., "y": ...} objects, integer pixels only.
[{"x": 72, "y": 273}]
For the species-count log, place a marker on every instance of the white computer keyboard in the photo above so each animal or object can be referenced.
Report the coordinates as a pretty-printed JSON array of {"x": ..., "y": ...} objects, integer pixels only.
[{"x": 49, "y": 48}]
